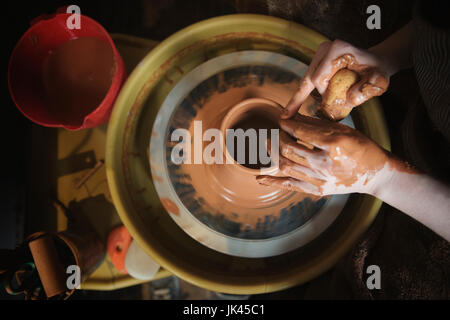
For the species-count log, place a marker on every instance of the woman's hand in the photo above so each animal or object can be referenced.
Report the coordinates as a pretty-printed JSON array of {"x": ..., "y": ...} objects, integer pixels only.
[
  {"x": 340, "y": 159},
  {"x": 331, "y": 158},
  {"x": 372, "y": 71}
]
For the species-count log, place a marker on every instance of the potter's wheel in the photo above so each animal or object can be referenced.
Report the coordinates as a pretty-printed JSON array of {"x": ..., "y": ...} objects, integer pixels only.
[
  {"x": 134, "y": 185},
  {"x": 200, "y": 198}
]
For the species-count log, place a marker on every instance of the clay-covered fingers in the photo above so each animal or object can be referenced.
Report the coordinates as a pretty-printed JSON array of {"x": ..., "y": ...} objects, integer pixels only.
[
  {"x": 306, "y": 84},
  {"x": 332, "y": 57},
  {"x": 336, "y": 58},
  {"x": 292, "y": 169},
  {"x": 312, "y": 131},
  {"x": 289, "y": 184},
  {"x": 298, "y": 153},
  {"x": 372, "y": 83}
]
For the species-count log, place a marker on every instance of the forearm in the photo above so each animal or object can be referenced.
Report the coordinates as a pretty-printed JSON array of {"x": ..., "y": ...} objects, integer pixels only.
[
  {"x": 419, "y": 196},
  {"x": 395, "y": 51}
]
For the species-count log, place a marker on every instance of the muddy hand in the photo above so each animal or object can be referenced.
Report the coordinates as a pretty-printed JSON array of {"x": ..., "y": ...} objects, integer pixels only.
[
  {"x": 343, "y": 160},
  {"x": 331, "y": 57}
]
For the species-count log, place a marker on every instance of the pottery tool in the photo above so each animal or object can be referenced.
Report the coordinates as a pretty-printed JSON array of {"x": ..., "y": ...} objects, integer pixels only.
[
  {"x": 89, "y": 174},
  {"x": 23, "y": 280},
  {"x": 333, "y": 105},
  {"x": 49, "y": 265}
]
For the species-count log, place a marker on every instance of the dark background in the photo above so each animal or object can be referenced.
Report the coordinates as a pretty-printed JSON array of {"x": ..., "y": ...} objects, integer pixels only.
[{"x": 156, "y": 19}]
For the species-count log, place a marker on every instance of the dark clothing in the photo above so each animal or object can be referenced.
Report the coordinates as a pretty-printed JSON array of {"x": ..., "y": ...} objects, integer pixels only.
[
  {"x": 431, "y": 57},
  {"x": 429, "y": 148},
  {"x": 414, "y": 261}
]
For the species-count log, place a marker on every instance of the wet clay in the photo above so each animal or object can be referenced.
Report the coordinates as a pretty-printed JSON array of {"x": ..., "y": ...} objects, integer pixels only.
[
  {"x": 401, "y": 165},
  {"x": 351, "y": 157},
  {"x": 372, "y": 81},
  {"x": 348, "y": 61},
  {"x": 360, "y": 157},
  {"x": 232, "y": 187},
  {"x": 76, "y": 78},
  {"x": 254, "y": 120},
  {"x": 351, "y": 153},
  {"x": 364, "y": 157}
]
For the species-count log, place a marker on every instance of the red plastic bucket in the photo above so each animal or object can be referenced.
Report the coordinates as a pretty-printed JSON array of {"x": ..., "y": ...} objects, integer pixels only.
[{"x": 25, "y": 74}]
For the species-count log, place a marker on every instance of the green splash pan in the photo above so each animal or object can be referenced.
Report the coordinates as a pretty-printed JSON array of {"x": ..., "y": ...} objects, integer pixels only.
[{"x": 129, "y": 173}]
